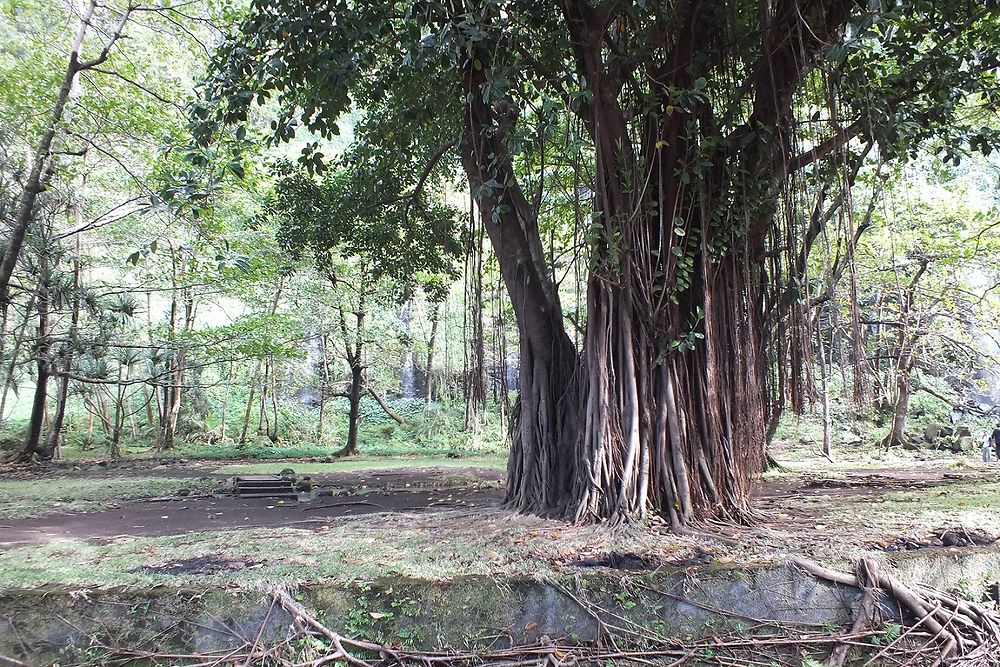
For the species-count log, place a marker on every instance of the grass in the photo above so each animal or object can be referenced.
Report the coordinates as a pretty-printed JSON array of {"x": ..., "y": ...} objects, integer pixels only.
[
  {"x": 430, "y": 429},
  {"x": 362, "y": 462},
  {"x": 29, "y": 498},
  {"x": 433, "y": 546},
  {"x": 264, "y": 450},
  {"x": 449, "y": 544},
  {"x": 981, "y": 495},
  {"x": 852, "y": 523}
]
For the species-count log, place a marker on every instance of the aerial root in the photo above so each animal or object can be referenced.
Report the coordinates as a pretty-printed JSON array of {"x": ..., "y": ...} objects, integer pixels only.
[{"x": 960, "y": 632}]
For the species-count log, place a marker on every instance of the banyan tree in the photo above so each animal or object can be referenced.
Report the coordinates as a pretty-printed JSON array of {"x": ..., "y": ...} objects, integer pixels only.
[{"x": 712, "y": 140}]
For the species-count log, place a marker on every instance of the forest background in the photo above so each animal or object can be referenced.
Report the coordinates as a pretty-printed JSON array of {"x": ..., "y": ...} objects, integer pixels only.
[{"x": 166, "y": 302}]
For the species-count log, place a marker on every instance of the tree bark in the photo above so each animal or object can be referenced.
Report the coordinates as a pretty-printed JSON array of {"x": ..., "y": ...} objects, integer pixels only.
[
  {"x": 173, "y": 392},
  {"x": 907, "y": 341},
  {"x": 32, "y": 443},
  {"x": 385, "y": 406},
  {"x": 324, "y": 368},
  {"x": 273, "y": 434},
  {"x": 262, "y": 417},
  {"x": 52, "y": 446},
  {"x": 429, "y": 387},
  {"x": 541, "y": 468},
  {"x": 666, "y": 405},
  {"x": 900, "y": 410},
  {"x": 34, "y": 184},
  {"x": 475, "y": 353},
  {"x": 246, "y": 415},
  {"x": 354, "y": 413},
  {"x": 354, "y": 353}
]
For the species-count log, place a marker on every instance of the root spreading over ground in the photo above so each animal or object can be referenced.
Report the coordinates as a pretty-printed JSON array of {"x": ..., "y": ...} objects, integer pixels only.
[{"x": 895, "y": 624}]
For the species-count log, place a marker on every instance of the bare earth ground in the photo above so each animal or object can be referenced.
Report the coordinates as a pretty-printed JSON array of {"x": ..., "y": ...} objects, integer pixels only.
[
  {"x": 355, "y": 493},
  {"x": 439, "y": 522}
]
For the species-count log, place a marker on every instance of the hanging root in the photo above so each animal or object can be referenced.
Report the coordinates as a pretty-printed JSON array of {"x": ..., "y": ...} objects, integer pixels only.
[{"x": 963, "y": 632}]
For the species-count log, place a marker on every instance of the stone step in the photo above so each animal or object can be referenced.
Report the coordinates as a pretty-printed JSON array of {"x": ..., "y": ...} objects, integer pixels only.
[{"x": 264, "y": 486}]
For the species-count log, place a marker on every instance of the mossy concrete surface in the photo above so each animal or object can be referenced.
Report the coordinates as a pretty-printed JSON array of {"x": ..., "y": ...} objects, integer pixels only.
[
  {"x": 40, "y": 626},
  {"x": 973, "y": 573}
]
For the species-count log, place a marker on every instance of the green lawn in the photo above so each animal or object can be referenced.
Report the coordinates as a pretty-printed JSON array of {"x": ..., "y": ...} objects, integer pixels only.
[{"x": 27, "y": 498}]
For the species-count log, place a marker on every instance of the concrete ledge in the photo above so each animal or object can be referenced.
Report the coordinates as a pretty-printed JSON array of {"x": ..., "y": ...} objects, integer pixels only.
[{"x": 46, "y": 625}]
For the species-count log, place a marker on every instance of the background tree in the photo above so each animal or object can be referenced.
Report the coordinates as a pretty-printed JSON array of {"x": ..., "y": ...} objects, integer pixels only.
[{"x": 371, "y": 241}]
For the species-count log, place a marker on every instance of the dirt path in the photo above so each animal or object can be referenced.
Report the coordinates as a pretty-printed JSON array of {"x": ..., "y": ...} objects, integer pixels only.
[
  {"x": 189, "y": 515},
  {"x": 417, "y": 490},
  {"x": 337, "y": 494}
]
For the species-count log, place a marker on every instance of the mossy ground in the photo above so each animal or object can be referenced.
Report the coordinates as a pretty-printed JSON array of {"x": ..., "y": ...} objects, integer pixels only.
[
  {"x": 814, "y": 507},
  {"x": 433, "y": 546}
]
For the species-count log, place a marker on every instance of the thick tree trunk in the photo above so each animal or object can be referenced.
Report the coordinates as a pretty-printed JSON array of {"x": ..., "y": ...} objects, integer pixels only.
[
  {"x": 541, "y": 468},
  {"x": 666, "y": 405},
  {"x": 661, "y": 410},
  {"x": 246, "y": 415},
  {"x": 900, "y": 410},
  {"x": 679, "y": 428},
  {"x": 903, "y": 390}
]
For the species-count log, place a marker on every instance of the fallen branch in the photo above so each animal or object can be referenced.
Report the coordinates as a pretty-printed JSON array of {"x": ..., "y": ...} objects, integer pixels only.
[
  {"x": 289, "y": 604},
  {"x": 385, "y": 407},
  {"x": 345, "y": 504}
]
